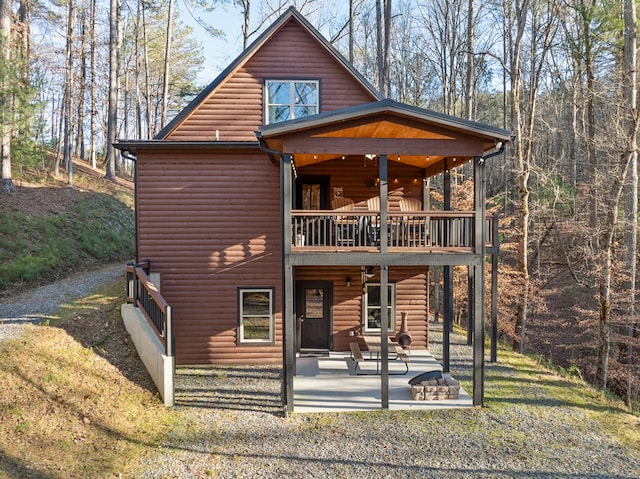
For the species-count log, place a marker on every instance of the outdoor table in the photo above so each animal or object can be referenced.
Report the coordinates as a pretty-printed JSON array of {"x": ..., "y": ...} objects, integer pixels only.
[{"x": 374, "y": 344}]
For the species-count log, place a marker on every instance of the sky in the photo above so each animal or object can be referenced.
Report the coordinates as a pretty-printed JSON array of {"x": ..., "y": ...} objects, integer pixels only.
[{"x": 218, "y": 52}]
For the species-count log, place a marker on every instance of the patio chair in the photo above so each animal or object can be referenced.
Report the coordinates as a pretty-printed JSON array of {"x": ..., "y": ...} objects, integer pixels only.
[
  {"x": 345, "y": 227},
  {"x": 373, "y": 225},
  {"x": 415, "y": 229}
]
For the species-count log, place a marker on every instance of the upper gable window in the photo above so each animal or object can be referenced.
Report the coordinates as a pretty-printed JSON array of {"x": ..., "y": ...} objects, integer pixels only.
[{"x": 289, "y": 99}]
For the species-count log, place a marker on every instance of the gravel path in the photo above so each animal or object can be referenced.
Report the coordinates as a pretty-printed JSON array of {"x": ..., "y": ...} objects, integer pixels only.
[
  {"x": 229, "y": 425},
  {"x": 35, "y": 306}
]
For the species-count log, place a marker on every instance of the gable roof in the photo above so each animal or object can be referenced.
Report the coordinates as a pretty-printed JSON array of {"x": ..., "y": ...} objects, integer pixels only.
[
  {"x": 291, "y": 14},
  {"x": 415, "y": 136}
]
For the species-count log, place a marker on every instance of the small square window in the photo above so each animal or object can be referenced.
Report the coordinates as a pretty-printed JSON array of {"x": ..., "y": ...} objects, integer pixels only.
[
  {"x": 289, "y": 99},
  {"x": 255, "y": 316}
]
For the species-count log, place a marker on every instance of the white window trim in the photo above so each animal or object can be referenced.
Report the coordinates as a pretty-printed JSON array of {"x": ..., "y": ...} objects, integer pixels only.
[
  {"x": 365, "y": 309},
  {"x": 241, "y": 316},
  {"x": 292, "y": 104}
]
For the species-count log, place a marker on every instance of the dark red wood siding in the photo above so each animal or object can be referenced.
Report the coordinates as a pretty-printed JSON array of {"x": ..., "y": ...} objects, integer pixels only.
[
  {"x": 235, "y": 108},
  {"x": 411, "y": 296},
  {"x": 210, "y": 224}
]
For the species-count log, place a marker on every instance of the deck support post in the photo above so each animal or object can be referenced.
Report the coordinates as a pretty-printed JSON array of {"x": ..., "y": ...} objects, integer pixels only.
[
  {"x": 495, "y": 253},
  {"x": 288, "y": 314},
  {"x": 447, "y": 280},
  {"x": 384, "y": 285},
  {"x": 480, "y": 223},
  {"x": 470, "y": 309}
]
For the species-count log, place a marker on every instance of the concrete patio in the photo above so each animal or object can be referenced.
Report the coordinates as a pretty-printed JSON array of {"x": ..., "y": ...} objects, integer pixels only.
[{"x": 329, "y": 384}]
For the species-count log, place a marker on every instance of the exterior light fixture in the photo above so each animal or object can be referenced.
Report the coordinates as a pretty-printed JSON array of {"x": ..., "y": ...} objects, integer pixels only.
[{"x": 348, "y": 281}]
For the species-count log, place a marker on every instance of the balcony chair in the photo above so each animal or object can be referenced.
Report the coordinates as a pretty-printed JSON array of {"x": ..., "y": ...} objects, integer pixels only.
[
  {"x": 373, "y": 224},
  {"x": 345, "y": 227},
  {"x": 414, "y": 228}
]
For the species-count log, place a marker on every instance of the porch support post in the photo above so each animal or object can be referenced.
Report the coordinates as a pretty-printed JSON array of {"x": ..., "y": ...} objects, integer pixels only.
[
  {"x": 288, "y": 316},
  {"x": 495, "y": 253},
  {"x": 384, "y": 204},
  {"x": 480, "y": 223},
  {"x": 447, "y": 279},
  {"x": 470, "y": 310},
  {"x": 436, "y": 294},
  {"x": 384, "y": 336},
  {"x": 384, "y": 285}
]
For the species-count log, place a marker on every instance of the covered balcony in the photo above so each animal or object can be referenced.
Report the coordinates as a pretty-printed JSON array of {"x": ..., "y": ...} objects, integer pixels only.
[
  {"x": 431, "y": 231},
  {"x": 374, "y": 228}
]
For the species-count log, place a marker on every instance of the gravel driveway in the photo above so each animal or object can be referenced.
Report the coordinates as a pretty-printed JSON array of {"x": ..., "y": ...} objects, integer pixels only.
[
  {"x": 35, "y": 306},
  {"x": 229, "y": 425}
]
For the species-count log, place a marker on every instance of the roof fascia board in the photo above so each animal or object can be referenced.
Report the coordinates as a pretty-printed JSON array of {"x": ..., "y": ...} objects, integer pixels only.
[
  {"x": 384, "y": 106},
  {"x": 138, "y": 145},
  {"x": 241, "y": 59}
]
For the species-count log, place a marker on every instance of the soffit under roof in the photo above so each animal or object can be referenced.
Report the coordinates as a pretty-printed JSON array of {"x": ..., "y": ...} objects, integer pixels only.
[{"x": 414, "y": 136}]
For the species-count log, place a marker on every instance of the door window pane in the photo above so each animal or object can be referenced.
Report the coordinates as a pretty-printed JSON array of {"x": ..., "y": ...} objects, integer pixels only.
[
  {"x": 311, "y": 196},
  {"x": 314, "y": 300}
]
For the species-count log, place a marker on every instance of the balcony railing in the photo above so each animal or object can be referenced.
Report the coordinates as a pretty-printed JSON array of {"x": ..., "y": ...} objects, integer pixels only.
[
  {"x": 146, "y": 297},
  {"x": 361, "y": 229}
]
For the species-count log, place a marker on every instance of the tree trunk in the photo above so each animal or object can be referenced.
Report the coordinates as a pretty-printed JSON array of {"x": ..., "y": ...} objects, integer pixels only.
[
  {"x": 379, "y": 48},
  {"x": 147, "y": 90},
  {"x": 112, "y": 115},
  {"x": 167, "y": 60},
  {"x": 468, "y": 97},
  {"x": 68, "y": 95},
  {"x": 92, "y": 86},
  {"x": 82, "y": 84},
  {"x": 246, "y": 9},
  {"x": 351, "y": 18},
  {"x": 6, "y": 125},
  {"x": 631, "y": 197}
]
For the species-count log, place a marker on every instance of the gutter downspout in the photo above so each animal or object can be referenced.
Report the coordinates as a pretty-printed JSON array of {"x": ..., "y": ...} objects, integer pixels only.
[
  {"x": 127, "y": 155},
  {"x": 273, "y": 154},
  {"x": 288, "y": 286},
  {"x": 497, "y": 150}
]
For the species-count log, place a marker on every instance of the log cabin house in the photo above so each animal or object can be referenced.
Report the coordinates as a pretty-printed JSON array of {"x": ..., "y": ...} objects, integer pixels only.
[{"x": 275, "y": 208}]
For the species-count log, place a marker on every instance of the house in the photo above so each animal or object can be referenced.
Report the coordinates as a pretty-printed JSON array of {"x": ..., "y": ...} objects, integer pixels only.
[{"x": 280, "y": 203}]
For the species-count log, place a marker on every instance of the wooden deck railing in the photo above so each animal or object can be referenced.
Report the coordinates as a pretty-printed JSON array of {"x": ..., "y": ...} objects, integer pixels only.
[
  {"x": 452, "y": 230},
  {"x": 143, "y": 294}
]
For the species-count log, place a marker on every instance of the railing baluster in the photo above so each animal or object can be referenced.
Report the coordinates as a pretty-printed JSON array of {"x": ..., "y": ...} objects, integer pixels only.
[
  {"x": 153, "y": 305},
  {"x": 437, "y": 229}
]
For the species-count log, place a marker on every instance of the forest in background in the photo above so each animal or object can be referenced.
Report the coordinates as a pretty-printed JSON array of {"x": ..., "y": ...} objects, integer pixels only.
[{"x": 75, "y": 75}]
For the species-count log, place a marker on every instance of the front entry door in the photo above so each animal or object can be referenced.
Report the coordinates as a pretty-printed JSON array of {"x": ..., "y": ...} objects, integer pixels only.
[{"x": 313, "y": 313}]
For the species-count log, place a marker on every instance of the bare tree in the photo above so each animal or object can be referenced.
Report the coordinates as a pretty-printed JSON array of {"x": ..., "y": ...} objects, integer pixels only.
[
  {"x": 631, "y": 187},
  {"x": 536, "y": 19},
  {"x": 611, "y": 193},
  {"x": 383, "y": 39},
  {"x": 471, "y": 36},
  {"x": 6, "y": 181},
  {"x": 92, "y": 85},
  {"x": 167, "y": 59},
  {"x": 69, "y": 91},
  {"x": 112, "y": 115}
]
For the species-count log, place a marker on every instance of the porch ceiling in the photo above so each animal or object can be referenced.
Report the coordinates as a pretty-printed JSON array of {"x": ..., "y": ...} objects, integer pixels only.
[{"x": 411, "y": 135}]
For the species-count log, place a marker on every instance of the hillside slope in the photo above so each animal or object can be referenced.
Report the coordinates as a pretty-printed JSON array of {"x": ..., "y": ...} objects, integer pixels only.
[{"x": 49, "y": 230}]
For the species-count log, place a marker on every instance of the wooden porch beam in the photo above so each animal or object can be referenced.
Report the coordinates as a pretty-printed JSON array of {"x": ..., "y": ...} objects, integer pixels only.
[
  {"x": 288, "y": 315},
  {"x": 479, "y": 188},
  {"x": 447, "y": 313},
  {"x": 389, "y": 259}
]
